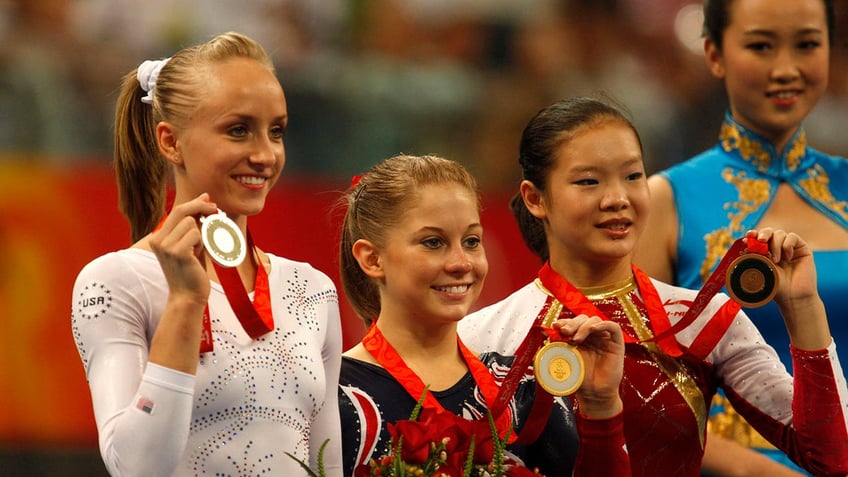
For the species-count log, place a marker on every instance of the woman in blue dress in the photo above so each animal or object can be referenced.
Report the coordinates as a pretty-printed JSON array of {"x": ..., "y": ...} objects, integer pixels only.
[{"x": 773, "y": 56}]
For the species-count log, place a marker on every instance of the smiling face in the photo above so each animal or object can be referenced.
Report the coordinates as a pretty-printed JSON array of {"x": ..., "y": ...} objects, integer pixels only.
[
  {"x": 774, "y": 61},
  {"x": 232, "y": 146},
  {"x": 433, "y": 265},
  {"x": 595, "y": 200}
]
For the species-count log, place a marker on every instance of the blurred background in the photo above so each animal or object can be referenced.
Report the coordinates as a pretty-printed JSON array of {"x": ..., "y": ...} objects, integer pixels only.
[{"x": 365, "y": 80}]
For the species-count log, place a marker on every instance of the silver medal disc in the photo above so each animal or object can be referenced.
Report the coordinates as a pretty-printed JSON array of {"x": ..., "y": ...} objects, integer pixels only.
[{"x": 223, "y": 239}]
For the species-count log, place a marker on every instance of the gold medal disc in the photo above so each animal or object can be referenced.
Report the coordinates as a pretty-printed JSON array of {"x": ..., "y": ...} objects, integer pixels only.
[
  {"x": 222, "y": 239},
  {"x": 752, "y": 280},
  {"x": 559, "y": 368}
]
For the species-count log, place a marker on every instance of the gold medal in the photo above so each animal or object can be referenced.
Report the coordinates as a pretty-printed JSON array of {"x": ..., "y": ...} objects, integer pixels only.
[
  {"x": 559, "y": 368},
  {"x": 222, "y": 239},
  {"x": 752, "y": 280}
]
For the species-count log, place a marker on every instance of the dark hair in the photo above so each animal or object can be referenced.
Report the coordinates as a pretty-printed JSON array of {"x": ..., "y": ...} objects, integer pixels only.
[
  {"x": 542, "y": 138},
  {"x": 375, "y": 204},
  {"x": 140, "y": 169},
  {"x": 717, "y": 18}
]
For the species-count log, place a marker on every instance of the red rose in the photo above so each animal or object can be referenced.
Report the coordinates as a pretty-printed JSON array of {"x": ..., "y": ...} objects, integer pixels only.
[
  {"x": 459, "y": 432},
  {"x": 484, "y": 442},
  {"x": 417, "y": 439},
  {"x": 362, "y": 470},
  {"x": 516, "y": 471},
  {"x": 454, "y": 432}
]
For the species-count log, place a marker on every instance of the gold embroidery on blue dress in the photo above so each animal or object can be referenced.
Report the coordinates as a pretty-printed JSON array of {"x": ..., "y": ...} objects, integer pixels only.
[
  {"x": 817, "y": 186},
  {"x": 731, "y": 425},
  {"x": 749, "y": 149},
  {"x": 752, "y": 194},
  {"x": 797, "y": 151},
  {"x": 716, "y": 243}
]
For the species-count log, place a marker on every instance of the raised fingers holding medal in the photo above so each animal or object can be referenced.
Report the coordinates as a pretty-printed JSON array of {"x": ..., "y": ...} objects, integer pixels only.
[
  {"x": 177, "y": 244},
  {"x": 752, "y": 278},
  {"x": 792, "y": 259},
  {"x": 599, "y": 348}
]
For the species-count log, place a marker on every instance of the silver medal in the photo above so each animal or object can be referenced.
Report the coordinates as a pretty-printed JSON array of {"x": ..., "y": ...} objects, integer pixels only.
[{"x": 222, "y": 239}]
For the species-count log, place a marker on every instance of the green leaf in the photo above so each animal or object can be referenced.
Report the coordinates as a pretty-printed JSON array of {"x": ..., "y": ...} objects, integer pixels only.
[
  {"x": 418, "y": 405},
  {"x": 469, "y": 461},
  {"x": 321, "y": 472}
]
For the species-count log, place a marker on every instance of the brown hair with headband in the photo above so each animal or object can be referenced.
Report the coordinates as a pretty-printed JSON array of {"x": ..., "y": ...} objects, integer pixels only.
[{"x": 140, "y": 169}]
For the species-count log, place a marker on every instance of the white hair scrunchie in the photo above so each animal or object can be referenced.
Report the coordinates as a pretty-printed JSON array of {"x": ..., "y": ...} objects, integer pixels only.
[{"x": 147, "y": 74}]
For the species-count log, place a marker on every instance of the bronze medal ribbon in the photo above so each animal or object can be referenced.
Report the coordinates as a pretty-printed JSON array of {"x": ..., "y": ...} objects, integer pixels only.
[{"x": 721, "y": 320}]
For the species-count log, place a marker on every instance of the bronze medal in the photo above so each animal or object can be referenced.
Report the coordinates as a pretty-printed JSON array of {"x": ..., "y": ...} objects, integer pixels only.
[
  {"x": 752, "y": 280},
  {"x": 559, "y": 368},
  {"x": 222, "y": 239}
]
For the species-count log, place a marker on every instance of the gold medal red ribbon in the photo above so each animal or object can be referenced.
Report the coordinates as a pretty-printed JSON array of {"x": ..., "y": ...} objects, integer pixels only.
[{"x": 524, "y": 356}]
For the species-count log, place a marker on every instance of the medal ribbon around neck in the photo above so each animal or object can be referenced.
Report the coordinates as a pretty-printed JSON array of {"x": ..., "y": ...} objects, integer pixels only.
[
  {"x": 524, "y": 357},
  {"x": 576, "y": 301},
  {"x": 386, "y": 355},
  {"x": 256, "y": 318}
]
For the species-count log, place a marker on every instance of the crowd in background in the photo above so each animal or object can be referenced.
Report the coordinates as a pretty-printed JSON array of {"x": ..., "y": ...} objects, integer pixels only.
[{"x": 366, "y": 79}]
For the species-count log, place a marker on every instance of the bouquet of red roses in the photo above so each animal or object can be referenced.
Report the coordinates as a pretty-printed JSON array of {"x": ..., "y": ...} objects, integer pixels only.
[
  {"x": 439, "y": 444},
  {"x": 442, "y": 444}
]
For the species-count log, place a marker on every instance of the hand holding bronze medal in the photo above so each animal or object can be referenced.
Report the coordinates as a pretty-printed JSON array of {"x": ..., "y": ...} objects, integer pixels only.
[
  {"x": 752, "y": 279},
  {"x": 559, "y": 368},
  {"x": 223, "y": 239}
]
